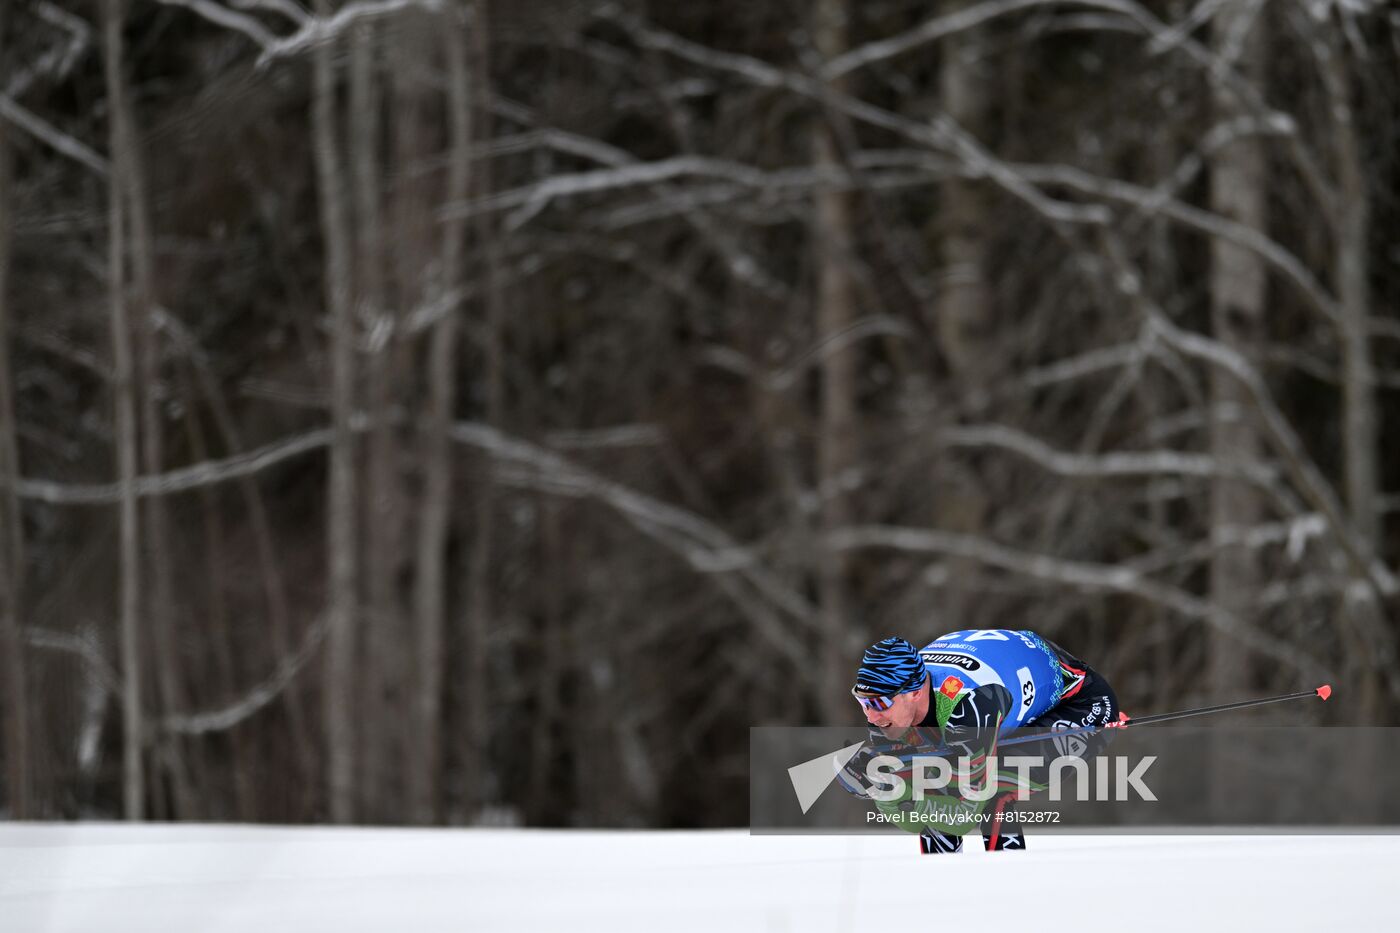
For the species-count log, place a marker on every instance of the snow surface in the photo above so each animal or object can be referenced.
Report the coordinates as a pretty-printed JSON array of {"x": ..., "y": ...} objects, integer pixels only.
[{"x": 95, "y": 878}]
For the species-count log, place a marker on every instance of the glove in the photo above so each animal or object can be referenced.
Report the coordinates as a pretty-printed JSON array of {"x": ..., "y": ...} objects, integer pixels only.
[{"x": 852, "y": 775}]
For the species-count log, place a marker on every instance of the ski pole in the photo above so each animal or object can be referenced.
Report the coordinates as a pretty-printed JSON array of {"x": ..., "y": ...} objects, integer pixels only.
[{"x": 1322, "y": 692}]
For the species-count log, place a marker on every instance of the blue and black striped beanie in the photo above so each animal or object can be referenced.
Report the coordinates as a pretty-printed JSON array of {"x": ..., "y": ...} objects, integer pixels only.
[{"x": 890, "y": 666}]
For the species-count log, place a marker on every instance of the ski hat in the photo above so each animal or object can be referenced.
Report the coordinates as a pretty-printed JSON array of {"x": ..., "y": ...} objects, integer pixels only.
[{"x": 889, "y": 667}]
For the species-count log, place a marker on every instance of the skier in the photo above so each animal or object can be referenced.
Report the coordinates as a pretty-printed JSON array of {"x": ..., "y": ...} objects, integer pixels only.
[{"x": 963, "y": 691}]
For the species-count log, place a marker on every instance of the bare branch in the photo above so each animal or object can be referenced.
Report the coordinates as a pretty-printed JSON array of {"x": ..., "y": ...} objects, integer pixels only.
[
  {"x": 1307, "y": 477},
  {"x": 1101, "y": 466},
  {"x": 310, "y": 31},
  {"x": 257, "y": 698},
  {"x": 1162, "y": 38},
  {"x": 223, "y": 16},
  {"x": 287, "y": 8},
  {"x": 702, "y": 545},
  {"x": 1170, "y": 38},
  {"x": 939, "y": 27},
  {"x": 536, "y": 197},
  {"x": 875, "y": 325},
  {"x": 318, "y": 30},
  {"x": 622, "y": 435},
  {"x": 1149, "y": 201},
  {"x": 84, "y": 647},
  {"x": 943, "y": 134},
  {"x": 206, "y": 473},
  {"x": 1293, "y": 534},
  {"x": 56, "y": 139},
  {"x": 56, "y": 62},
  {"x": 1076, "y": 575},
  {"x": 739, "y": 263}
]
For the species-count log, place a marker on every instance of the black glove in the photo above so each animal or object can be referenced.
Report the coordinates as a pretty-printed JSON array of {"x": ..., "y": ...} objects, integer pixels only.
[{"x": 852, "y": 776}]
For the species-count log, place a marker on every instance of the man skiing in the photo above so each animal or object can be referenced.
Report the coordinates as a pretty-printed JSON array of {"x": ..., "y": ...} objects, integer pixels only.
[{"x": 963, "y": 691}]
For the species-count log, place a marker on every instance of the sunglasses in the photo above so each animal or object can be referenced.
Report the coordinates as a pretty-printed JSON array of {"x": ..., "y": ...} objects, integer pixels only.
[
  {"x": 875, "y": 703},
  {"x": 879, "y": 703}
]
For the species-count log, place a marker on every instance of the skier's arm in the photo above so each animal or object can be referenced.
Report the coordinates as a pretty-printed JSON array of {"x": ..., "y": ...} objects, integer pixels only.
[
  {"x": 853, "y": 777},
  {"x": 972, "y": 728}
]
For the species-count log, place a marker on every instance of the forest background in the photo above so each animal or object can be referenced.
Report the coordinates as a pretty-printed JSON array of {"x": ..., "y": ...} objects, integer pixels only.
[{"x": 458, "y": 412}]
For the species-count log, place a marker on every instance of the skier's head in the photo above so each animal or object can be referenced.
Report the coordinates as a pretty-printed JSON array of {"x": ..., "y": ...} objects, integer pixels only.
[{"x": 892, "y": 684}]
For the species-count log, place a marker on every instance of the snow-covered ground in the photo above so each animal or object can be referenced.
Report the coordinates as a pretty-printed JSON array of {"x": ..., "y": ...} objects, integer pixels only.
[{"x": 172, "y": 879}]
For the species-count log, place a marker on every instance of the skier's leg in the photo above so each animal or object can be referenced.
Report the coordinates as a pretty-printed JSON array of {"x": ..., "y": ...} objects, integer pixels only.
[
  {"x": 932, "y": 841},
  {"x": 1002, "y": 831}
]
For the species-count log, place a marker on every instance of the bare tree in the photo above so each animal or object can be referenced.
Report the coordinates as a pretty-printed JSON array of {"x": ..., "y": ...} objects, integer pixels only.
[
  {"x": 434, "y": 519},
  {"x": 124, "y": 391},
  {"x": 1352, "y": 273},
  {"x": 838, "y": 445},
  {"x": 16, "y": 698},
  {"x": 479, "y": 606},
  {"x": 765, "y": 343},
  {"x": 159, "y": 593},
  {"x": 375, "y": 760},
  {"x": 339, "y": 686},
  {"x": 1238, "y": 279},
  {"x": 963, "y": 306}
]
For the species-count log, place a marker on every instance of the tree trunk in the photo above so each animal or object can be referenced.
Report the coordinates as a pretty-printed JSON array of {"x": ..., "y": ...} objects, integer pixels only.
[
  {"x": 964, "y": 311},
  {"x": 554, "y": 637},
  {"x": 964, "y": 301},
  {"x": 479, "y": 606},
  {"x": 124, "y": 391},
  {"x": 836, "y": 311},
  {"x": 434, "y": 520},
  {"x": 341, "y": 604},
  {"x": 375, "y": 756},
  {"x": 160, "y": 595},
  {"x": 16, "y": 698},
  {"x": 1360, "y": 443},
  {"x": 1237, "y": 291}
]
